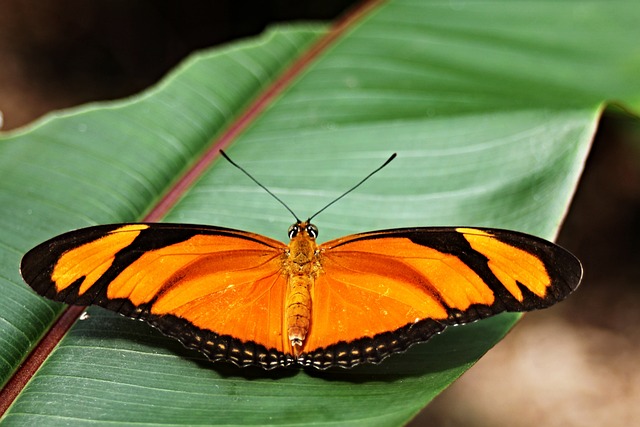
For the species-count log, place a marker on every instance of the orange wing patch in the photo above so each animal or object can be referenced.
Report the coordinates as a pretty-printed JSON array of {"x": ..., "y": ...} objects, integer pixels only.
[
  {"x": 189, "y": 270},
  {"x": 510, "y": 264},
  {"x": 88, "y": 262},
  {"x": 440, "y": 277}
]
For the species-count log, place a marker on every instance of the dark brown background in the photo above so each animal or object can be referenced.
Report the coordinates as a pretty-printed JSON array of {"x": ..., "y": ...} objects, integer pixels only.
[{"x": 572, "y": 365}]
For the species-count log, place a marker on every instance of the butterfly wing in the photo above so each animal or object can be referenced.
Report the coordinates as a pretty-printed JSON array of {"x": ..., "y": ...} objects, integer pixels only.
[
  {"x": 217, "y": 290},
  {"x": 381, "y": 292}
]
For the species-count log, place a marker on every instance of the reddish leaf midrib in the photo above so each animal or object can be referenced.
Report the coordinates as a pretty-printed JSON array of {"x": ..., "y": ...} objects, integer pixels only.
[{"x": 58, "y": 330}]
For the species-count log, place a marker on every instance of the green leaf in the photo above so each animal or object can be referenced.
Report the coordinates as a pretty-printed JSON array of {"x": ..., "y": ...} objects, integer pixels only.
[{"x": 490, "y": 106}]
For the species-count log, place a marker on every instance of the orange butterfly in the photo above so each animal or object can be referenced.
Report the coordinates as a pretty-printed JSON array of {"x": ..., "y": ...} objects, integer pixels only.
[{"x": 252, "y": 300}]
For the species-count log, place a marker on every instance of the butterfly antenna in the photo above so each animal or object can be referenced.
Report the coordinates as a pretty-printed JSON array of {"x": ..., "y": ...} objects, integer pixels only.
[
  {"x": 257, "y": 182},
  {"x": 393, "y": 156}
]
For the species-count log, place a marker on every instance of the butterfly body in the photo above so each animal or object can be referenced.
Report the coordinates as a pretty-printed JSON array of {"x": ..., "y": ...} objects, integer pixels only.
[{"x": 301, "y": 266}]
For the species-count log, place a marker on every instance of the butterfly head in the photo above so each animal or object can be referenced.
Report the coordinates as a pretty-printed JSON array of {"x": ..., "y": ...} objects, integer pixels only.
[{"x": 303, "y": 228}]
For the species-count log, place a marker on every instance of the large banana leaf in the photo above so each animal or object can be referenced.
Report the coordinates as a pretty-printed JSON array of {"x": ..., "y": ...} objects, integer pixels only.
[{"x": 490, "y": 106}]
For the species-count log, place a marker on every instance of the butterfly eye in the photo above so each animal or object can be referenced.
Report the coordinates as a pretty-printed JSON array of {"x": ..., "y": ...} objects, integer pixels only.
[
  {"x": 293, "y": 231},
  {"x": 312, "y": 230}
]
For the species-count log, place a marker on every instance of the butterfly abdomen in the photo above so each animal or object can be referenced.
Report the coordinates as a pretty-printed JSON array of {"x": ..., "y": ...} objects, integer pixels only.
[{"x": 298, "y": 310}]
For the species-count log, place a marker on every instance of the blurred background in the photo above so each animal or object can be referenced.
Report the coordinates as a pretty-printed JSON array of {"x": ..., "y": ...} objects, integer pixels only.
[{"x": 572, "y": 365}]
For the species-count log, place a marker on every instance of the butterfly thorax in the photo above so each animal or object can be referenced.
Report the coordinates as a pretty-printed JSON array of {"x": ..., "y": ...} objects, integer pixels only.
[{"x": 301, "y": 264}]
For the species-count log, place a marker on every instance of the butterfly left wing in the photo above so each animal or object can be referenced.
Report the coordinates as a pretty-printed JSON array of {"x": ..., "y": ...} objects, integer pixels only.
[
  {"x": 381, "y": 292},
  {"x": 216, "y": 290}
]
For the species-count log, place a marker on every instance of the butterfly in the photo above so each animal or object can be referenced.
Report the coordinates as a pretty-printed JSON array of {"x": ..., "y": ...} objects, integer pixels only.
[{"x": 252, "y": 300}]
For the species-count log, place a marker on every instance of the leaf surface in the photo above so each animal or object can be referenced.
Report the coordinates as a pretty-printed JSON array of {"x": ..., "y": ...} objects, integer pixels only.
[{"x": 491, "y": 123}]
